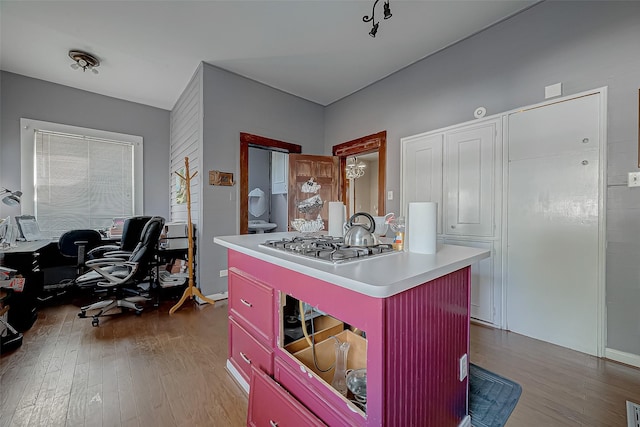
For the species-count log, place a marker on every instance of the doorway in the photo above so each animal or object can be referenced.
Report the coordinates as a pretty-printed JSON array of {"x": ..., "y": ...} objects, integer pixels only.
[
  {"x": 246, "y": 141},
  {"x": 370, "y": 154}
]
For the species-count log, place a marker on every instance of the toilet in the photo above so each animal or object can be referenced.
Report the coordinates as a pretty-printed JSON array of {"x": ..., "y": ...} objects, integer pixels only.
[{"x": 257, "y": 207}]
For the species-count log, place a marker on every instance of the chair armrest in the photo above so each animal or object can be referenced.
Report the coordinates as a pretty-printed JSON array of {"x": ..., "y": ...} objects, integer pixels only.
[
  {"x": 113, "y": 280},
  {"x": 117, "y": 254},
  {"x": 102, "y": 249},
  {"x": 103, "y": 262}
]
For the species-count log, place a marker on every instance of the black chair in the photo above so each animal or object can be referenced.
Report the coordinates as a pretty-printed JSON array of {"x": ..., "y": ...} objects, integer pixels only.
[
  {"x": 76, "y": 244},
  {"x": 130, "y": 236},
  {"x": 73, "y": 247},
  {"x": 114, "y": 274}
]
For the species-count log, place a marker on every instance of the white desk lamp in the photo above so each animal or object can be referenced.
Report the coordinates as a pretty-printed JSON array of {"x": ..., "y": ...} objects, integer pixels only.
[{"x": 11, "y": 199}]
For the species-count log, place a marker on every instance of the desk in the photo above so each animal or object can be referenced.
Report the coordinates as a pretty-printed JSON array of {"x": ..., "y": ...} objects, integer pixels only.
[
  {"x": 25, "y": 247},
  {"x": 168, "y": 256},
  {"x": 24, "y": 258}
]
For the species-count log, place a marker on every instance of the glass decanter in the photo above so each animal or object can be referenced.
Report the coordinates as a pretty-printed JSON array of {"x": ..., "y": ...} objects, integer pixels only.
[{"x": 340, "y": 372}]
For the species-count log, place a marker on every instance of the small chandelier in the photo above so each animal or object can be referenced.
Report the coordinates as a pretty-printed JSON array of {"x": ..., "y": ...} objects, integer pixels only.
[
  {"x": 355, "y": 169},
  {"x": 84, "y": 61},
  {"x": 372, "y": 19}
]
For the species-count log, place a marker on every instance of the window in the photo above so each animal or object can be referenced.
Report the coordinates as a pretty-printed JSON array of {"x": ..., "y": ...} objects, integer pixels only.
[{"x": 79, "y": 178}]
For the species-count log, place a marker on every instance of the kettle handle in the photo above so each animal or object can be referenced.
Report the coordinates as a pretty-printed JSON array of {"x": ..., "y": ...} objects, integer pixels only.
[{"x": 372, "y": 222}]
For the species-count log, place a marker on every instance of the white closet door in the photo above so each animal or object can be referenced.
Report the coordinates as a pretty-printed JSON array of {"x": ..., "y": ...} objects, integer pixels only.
[
  {"x": 552, "y": 223},
  {"x": 279, "y": 172},
  {"x": 422, "y": 172},
  {"x": 481, "y": 281},
  {"x": 469, "y": 184}
]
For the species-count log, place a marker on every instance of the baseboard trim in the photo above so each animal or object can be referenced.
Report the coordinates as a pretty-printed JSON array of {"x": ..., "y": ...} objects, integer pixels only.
[
  {"x": 466, "y": 422},
  {"x": 622, "y": 357},
  {"x": 484, "y": 323},
  {"x": 237, "y": 377},
  {"x": 215, "y": 297}
]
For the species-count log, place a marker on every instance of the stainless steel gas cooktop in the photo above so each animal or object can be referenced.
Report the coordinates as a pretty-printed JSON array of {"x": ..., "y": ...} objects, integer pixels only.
[{"x": 327, "y": 249}]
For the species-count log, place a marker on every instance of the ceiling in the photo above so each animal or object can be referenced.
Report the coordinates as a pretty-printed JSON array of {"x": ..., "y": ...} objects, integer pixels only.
[{"x": 149, "y": 50}]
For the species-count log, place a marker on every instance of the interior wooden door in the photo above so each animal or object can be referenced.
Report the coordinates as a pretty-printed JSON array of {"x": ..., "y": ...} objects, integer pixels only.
[{"x": 324, "y": 171}]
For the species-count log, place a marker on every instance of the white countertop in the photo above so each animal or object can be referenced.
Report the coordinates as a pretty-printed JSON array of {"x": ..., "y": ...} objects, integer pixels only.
[{"x": 380, "y": 276}]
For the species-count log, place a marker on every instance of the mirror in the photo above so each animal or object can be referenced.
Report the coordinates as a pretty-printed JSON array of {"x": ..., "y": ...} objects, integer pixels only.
[
  {"x": 367, "y": 156},
  {"x": 362, "y": 189}
]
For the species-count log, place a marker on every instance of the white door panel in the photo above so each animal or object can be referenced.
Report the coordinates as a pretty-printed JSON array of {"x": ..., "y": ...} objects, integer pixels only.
[
  {"x": 536, "y": 138},
  {"x": 422, "y": 172},
  {"x": 470, "y": 170},
  {"x": 481, "y": 281},
  {"x": 552, "y": 251}
]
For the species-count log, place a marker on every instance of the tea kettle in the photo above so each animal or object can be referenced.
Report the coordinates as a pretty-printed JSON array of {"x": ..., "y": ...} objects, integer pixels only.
[{"x": 358, "y": 234}]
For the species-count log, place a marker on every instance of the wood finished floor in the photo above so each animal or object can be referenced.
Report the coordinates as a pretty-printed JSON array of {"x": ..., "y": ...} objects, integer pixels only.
[{"x": 157, "y": 370}]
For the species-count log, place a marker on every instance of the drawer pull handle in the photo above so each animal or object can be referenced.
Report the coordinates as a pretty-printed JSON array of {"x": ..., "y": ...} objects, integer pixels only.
[
  {"x": 245, "y": 358},
  {"x": 273, "y": 423},
  {"x": 247, "y": 303}
]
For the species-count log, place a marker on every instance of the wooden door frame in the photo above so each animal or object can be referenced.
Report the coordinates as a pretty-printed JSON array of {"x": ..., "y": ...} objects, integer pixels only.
[
  {"x": 246, "y": 140},
  {"x": 376, "y": 142}
]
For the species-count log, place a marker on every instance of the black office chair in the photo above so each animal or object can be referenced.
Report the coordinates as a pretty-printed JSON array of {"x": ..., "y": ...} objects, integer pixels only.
[
  {"x": 73, "y": 247},
  {"x": 114, "y": 273},
  {"x": 130, "y": 236},
  {"x": 76, "y": 244}
]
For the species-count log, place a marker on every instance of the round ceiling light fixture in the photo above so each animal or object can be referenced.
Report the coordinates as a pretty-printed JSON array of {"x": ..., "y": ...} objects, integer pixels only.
[{"x": 84, "y": 61}]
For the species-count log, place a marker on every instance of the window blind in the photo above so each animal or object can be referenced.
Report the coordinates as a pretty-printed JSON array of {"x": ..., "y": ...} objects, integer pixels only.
[{"x": 81, "y": 181}]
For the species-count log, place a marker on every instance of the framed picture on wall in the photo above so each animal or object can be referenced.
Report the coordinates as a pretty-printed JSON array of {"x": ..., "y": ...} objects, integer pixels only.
[
  {"x": 220, "y": 178},
  {"x": 180, "y": 188}
]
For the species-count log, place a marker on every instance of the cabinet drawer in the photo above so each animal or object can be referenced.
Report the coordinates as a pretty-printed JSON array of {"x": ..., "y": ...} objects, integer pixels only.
[
  {"x": 271, "y": 406},
  {"x": 337, "y": 413},
  {"x": 245, "y": 351},
  {"x": 251, "y": 303}
]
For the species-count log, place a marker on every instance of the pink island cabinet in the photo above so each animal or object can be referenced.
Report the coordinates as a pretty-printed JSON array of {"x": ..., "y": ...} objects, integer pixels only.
[{"x": 415, "y": 342}]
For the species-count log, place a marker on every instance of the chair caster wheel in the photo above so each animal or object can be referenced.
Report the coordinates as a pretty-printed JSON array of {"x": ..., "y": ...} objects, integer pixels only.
[
  {"x": 95, "y": 322},
  {"x": 138, "y": 312},
  {"x": 82, "y": 314}
]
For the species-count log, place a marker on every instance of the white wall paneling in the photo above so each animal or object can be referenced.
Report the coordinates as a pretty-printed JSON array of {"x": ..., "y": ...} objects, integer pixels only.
[{"x": 186, "y": 141}]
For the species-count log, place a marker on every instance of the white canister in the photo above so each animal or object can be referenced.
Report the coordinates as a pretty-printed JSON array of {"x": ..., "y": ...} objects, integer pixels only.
[{"x": 421, "y": 227}]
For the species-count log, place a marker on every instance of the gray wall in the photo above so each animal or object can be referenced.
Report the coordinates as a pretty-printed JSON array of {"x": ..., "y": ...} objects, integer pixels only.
[
  {"x": 584, "y": 45},
  {"x": 24, "y": 97},
  {"x": 234, "y": 104}
]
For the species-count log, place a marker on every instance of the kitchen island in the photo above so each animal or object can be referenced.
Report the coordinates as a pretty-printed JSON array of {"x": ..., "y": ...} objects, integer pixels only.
[{"x": 413, "y": 309}]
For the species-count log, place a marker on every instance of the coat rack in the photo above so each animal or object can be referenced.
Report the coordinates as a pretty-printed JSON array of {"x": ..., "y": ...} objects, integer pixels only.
[{"x": 191, "y": 290}]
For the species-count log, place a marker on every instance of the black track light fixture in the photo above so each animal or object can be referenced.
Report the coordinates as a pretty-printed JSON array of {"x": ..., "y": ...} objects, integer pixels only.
[{"x": 372, "y": 18}]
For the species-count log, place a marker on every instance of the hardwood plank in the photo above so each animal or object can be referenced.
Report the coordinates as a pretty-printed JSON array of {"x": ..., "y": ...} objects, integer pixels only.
[
  {"x": 559, "y": 386},
  {"x": 160, "y": 370}
]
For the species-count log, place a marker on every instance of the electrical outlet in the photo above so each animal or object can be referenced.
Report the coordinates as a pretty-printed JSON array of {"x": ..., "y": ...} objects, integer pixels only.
[
  {"x": 224, "y": 273},
  {"x": 633, "y": 414},
  {"x": 464, "y": 367},
  {"x": 390, "y": 195},
  {"x": 634, "y": 179}
]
